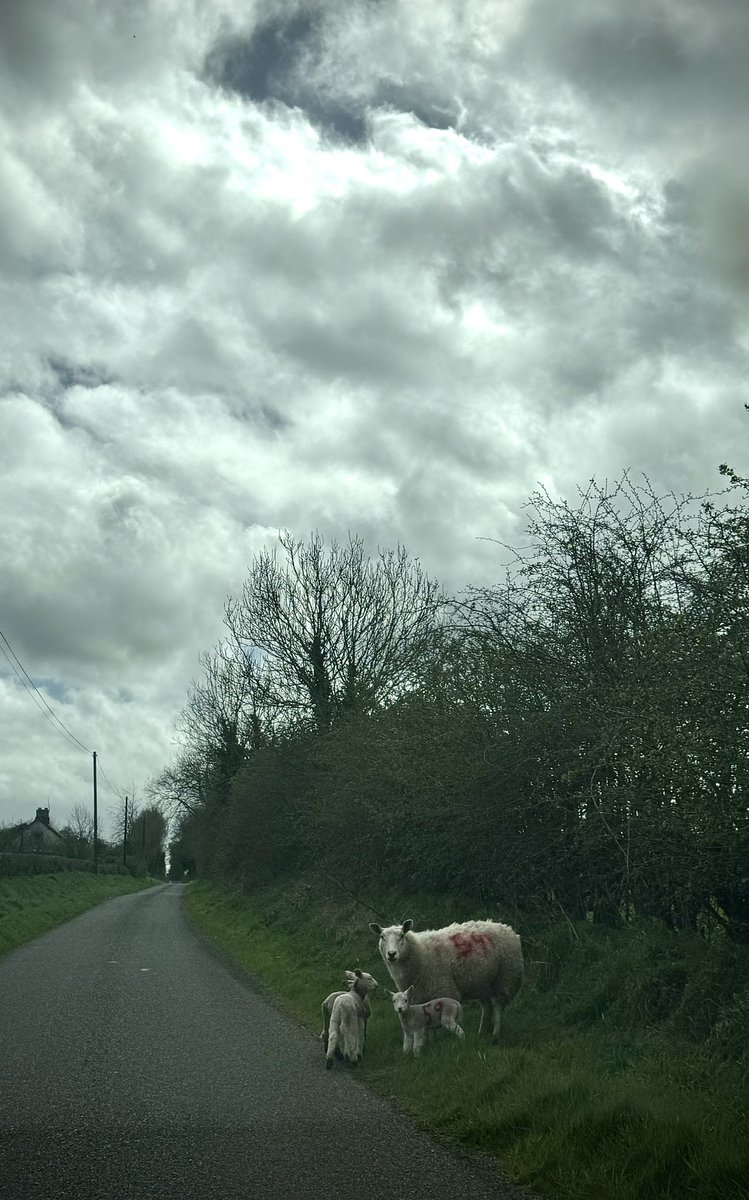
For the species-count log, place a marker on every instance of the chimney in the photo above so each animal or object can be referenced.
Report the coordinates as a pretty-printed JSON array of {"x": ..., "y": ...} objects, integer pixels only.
[{"x": 42, "y": 814}]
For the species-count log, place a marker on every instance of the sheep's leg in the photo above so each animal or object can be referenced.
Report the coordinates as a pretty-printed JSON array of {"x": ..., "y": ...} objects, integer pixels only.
[
  {"x": 408, "y": 1043},
  {"x": 455, "y": 1028},
  {"x": 481, "y": 1022},
  {"x": 419, "y": 1039},
  {"x": 497, "y": 1005}
]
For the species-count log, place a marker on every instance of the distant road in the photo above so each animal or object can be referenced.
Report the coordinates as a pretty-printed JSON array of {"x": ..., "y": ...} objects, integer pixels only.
[{"x": 133, "y": 1065}]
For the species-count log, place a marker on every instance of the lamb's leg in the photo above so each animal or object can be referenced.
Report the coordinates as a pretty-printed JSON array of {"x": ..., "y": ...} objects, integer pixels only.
[
  {"x": 324, "y": 1034},
  {"x": 454, "y": 1027},
  {"x": 408, "y": 1042},
  {"x": 351, "y": 1040},
  {"x": 419, "y": 1039},
  {"x": 362, "y": 1033},
  {"x": 332, "y": 1050}
]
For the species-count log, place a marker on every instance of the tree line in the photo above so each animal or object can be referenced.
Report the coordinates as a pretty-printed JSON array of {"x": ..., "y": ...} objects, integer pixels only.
[{"x": 572, "y": 738}]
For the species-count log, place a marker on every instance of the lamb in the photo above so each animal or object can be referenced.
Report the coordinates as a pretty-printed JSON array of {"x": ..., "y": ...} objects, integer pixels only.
[
  {"x": 348, "y": 1020},
  {"x": 476, "y": 960},
  {"x": 415, "y": 1019},
  {"x": 327, "y": 1005}
]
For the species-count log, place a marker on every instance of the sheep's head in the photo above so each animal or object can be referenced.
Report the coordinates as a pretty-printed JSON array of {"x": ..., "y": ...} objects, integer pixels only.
[
  {"x": 362, "y": 981},
  {"x": 393, "y": 946},
  {"x": 401, "y": 1000}
]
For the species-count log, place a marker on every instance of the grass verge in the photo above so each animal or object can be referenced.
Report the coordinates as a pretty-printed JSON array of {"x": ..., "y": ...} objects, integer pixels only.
[
  {"x": 32, "y": 904},
  {"x": 622, "y": 1072}
]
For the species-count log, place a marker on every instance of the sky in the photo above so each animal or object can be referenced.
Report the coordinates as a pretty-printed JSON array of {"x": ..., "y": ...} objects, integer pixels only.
[{"x": 369, "y": 266}]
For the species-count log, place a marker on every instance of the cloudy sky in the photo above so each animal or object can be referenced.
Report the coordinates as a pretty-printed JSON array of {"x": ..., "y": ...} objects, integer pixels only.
[{"x": 368, "y": 265}]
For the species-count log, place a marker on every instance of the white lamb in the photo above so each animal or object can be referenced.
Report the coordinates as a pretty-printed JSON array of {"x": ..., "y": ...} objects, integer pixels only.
[
  {"x": 476, "y": 960},
  {"x": 348, "y": 1020},
  {"x": 327, "y": 1005},
  {"x": 415, "y": 1019}
]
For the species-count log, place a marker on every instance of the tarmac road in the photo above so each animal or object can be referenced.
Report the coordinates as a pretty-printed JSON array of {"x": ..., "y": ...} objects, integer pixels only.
[{"x": 134, "y": 1065}]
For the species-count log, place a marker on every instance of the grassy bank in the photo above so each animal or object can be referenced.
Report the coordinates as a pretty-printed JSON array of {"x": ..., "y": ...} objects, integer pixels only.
[
  {"x": 32, "y": 904},
  {"x": 622, "y": 1072}
]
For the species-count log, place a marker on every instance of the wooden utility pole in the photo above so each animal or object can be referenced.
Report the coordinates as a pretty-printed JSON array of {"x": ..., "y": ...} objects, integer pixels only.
[
  {"x": 96, "y": 824},
  {"x": 124, "y": 837}
]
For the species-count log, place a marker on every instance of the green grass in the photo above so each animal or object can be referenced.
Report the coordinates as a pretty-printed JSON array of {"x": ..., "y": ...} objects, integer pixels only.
[
  {"x": 32, "y": 904},
  {"x": 622, "y": 1070}
]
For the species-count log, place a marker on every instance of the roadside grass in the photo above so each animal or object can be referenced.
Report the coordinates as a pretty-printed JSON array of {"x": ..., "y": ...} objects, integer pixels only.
[
  {"x": 32, "y": 904},
  {"x": 622, "y": 1068}
]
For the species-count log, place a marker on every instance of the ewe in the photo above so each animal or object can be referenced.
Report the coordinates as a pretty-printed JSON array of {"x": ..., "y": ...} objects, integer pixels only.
[
  {"x": 348, "y": 1020},
  {"x": 415, "y": 1019},
  {"x": 478, "y": 960}
]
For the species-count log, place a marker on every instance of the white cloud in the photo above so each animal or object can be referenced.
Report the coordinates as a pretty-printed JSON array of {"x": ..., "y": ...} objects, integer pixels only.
[{"x": 376, "y": 267}]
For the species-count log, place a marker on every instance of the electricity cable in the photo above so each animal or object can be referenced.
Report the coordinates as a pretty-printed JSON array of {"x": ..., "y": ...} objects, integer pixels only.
[{"x": 50, "y": 714}]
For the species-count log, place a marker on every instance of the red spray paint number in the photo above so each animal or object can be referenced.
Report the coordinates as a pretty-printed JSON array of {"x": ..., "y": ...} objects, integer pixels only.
[{"x": 465, "y": 944}]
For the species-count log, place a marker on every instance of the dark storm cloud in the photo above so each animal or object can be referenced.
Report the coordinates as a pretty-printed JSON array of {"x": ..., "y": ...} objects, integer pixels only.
[
  {"x": 291, "y": 59},
  {"x": 423, "y": 101},
  {"x": 69, "y": 374},
  {"x": 262, "y": 66},
  {"x": 274, "y": 65}
]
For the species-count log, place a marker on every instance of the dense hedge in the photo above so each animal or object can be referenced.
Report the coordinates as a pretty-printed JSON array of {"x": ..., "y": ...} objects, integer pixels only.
[
  {"x": 575, "y": 742},
  {"x": 49, "y": 864}
]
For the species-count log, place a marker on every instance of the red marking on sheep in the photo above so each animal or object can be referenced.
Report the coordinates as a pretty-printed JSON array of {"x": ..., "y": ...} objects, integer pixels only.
[
  {"x": 465, "y": 944},
  {"x": 433, "y": 1010}
]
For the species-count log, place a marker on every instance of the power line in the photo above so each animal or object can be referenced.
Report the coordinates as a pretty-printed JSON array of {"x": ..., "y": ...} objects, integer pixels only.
[
  {"x": 50, "y": 714},
  {"x": 108, "y": 780}
]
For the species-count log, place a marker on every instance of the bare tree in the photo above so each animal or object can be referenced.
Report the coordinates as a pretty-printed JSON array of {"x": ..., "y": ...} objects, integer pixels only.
[
  {"x": 123, "y": 813},
  {"x": 229, "y": 713},
  {"x": 81, "y": 823},
  {"x": 340, "y": 630},
  {"x": 180, "y": 787},
  {"x": 230, "y": 709}
]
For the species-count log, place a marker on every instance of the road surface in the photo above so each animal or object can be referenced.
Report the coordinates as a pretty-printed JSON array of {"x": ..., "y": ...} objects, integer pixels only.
[{"x": 133, "y": 1065}]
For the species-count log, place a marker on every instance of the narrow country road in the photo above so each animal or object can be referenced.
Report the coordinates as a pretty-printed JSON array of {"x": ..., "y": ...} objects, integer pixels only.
[{"x": 132, "y": 1064}]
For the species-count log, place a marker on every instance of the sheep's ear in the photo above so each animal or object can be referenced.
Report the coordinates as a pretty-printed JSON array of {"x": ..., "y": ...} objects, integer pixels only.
[
  {"x": 358, "y": 973},
  {"x": 407, "y": 925},
  {"x": 409, "y": 989},
  {"x": 389, "y": 993},
  {"x": 349, "y": 975},
  {"x": 375, "y": 928}
]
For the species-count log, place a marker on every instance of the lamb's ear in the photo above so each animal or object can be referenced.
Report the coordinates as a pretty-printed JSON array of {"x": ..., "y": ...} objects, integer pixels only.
[
  {"x": 409, "y": 990},
  {"x": 358, "y": 974},
  {"x": 389, "y": 993},
  {"x": 375, "y": 928},
  {"x": 407, "y": 925},
  {"x": 349, "y": 975}
]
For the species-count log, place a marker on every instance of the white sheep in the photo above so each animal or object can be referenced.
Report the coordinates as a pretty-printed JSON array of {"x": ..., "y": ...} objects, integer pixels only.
[
  {"x": 348, "y": 1020},
  {"x": 415, "y": 1019},
  {"x": 327, "y": 1005},
  {"x": 476, "y": 960}
]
